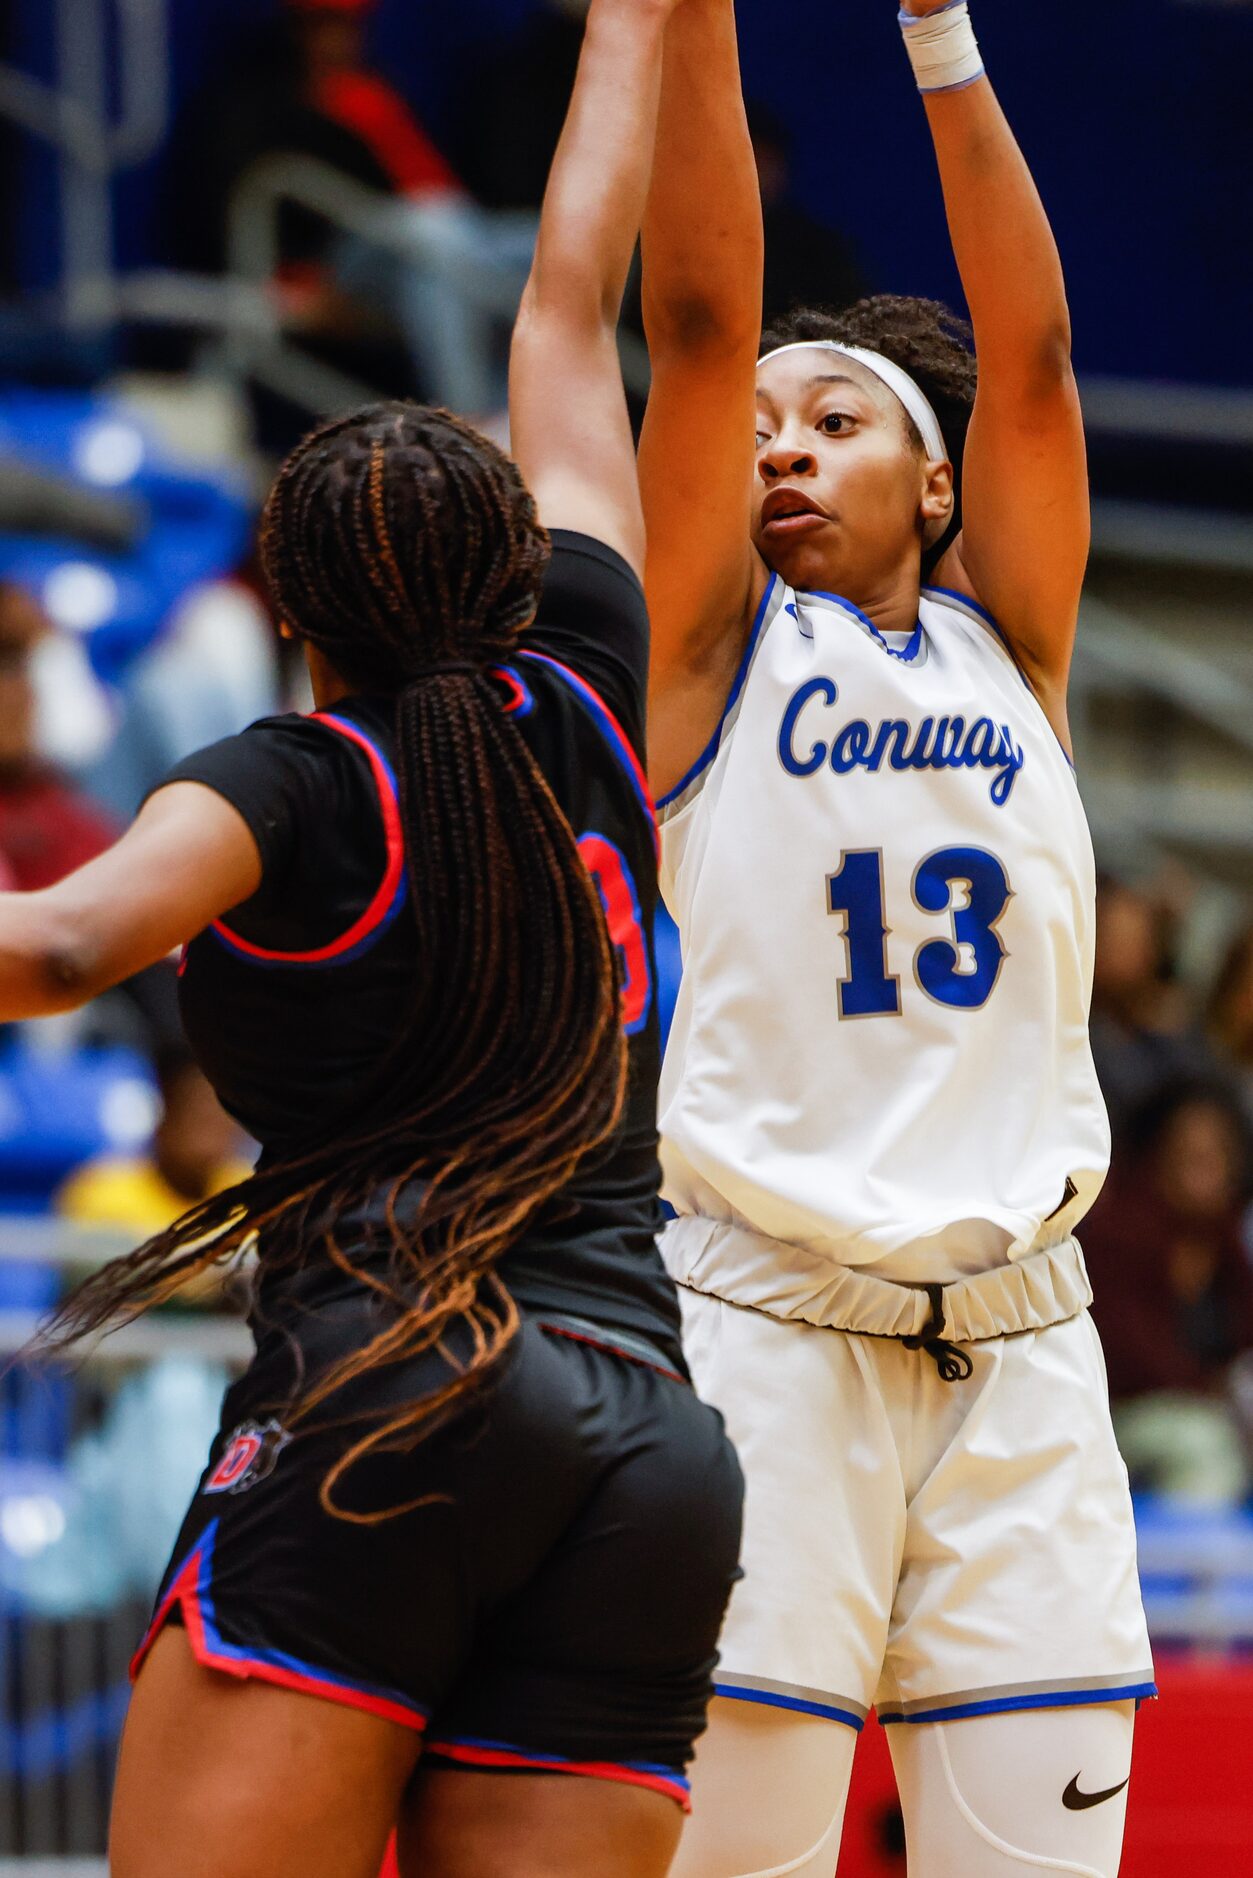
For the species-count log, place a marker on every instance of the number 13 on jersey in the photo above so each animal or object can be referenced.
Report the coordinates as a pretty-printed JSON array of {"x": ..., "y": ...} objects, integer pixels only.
[{"x": 960, "y": 969}]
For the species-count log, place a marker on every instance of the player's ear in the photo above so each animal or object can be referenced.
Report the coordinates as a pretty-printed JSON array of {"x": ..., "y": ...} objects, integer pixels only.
[{"x": 935, "y": 510}]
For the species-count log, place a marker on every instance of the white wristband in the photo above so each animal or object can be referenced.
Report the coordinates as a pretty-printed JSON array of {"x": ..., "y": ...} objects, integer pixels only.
[{"x": 942, "y": 47}]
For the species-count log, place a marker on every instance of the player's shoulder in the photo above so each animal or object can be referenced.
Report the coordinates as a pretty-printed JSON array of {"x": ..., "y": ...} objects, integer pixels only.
[
  {"x": 591, "y": 760},
  {"x": 302, "y": 742},
  {"x": 591, "y": 626},
  {"x": 954, "y": 605}
]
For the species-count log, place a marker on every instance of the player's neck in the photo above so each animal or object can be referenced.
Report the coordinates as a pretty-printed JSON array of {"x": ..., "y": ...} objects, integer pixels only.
[
  {"x": 328, "y": 685},
  {"x": 889, "y": 601}
]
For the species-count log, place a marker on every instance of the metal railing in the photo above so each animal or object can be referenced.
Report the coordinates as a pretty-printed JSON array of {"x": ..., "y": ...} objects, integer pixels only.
[
  {"x": 64, "y": 1658},
  {"x": 53, "y": 1868},
  {"x": 1144, "y": 811},
  {"x": 75, "y": 117},
  {"x": 1111, "y": 644},
  {"x": 268, "y": 354},
  {"x": 39, "y": 1239},
  {"x": 245, "y": 340}
]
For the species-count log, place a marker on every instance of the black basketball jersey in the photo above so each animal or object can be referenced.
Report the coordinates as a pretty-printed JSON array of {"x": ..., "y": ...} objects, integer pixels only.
[{"x": 292, "y": 999}]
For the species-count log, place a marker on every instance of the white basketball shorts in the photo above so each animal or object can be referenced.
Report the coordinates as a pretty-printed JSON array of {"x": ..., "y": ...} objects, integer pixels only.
[{"x": 936, "y": 1549}]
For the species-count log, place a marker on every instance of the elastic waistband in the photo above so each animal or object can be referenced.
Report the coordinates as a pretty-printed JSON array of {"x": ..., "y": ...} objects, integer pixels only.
[
  {"x": 1034, "y": 1292},
  {"x": 627, "y": 1343}
]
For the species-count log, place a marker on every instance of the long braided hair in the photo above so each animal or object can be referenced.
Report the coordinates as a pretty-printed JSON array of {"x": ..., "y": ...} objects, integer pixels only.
[{"x": 404, "y": 547}]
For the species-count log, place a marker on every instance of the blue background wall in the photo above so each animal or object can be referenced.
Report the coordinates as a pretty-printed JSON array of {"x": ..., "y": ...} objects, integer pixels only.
[{"x": 1134, "y": 115}]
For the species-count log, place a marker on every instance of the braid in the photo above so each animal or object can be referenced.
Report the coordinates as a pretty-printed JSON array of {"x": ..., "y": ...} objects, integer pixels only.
[{"x": 400, "y": 543}]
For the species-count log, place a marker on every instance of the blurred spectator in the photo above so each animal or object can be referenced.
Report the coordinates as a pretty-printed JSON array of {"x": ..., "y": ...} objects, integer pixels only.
[
  {"x": 1140, "y": 1021},
  {"x": 298, "y": 86},
  {"x": 1174, "y": 1293},
  {"x": 196, "y": 1151},
  {"x": 511, "y": 117},
  {"x": 47, "y": 828},
  {"x": 449, "y": 274},
  {"x": 807, "y": 263},
  {"x": 35, "y": 500},
  {"x": 1229, "y": 1017},
  {"x": 213, "y": 671},
  {"x": 75, "y": 720}
]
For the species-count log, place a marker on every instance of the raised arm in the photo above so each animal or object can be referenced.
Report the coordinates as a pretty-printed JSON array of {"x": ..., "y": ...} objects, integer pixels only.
[
  {"x": 702, "y": 280},
  {"x": 188, "y": 858},
  {"x": 567, "y": 407},
  {"x": 1024, "y": 544}
]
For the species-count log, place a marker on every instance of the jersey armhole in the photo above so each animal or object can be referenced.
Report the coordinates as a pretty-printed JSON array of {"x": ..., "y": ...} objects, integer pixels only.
[
  {"x": 689, "y": 786},
  {"x": 391, "y": 893},
  {"x": 979, "y": 616},
  {"x": 619, "y": 744}
]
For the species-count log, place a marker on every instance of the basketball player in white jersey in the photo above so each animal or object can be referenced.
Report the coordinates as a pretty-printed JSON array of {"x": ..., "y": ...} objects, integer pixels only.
[{"x": 882, "y": 1124}]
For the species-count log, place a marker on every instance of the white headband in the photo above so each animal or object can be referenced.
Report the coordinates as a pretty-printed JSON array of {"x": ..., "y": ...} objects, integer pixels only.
[{"x": 899, "y": 383}]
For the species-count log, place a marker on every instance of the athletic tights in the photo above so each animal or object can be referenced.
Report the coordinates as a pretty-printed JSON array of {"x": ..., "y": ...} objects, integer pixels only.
[{"x": 996, "y": 1796}]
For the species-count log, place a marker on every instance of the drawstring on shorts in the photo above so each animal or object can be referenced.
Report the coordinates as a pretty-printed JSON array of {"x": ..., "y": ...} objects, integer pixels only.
[{"x": 953, "y": 1363}]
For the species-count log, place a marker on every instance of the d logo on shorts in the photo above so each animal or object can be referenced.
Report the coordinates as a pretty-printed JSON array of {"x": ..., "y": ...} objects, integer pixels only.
[{"x": 250, "y": 1456}]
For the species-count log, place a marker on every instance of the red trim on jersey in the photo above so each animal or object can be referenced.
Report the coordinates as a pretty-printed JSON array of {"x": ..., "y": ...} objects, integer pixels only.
[
  {"x": 612, "y": 729},
  {"x": 519, "y": 697},
  {"x": 383, "y": 901}
]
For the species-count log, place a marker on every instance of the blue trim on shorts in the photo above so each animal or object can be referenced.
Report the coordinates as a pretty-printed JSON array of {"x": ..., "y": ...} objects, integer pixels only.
[
  {"x": 735, "y": 1692},
  {"x": 1003, "y": 1705}
]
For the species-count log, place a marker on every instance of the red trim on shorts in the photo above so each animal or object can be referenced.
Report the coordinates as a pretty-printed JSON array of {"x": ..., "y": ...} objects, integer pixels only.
[
  {"x": 491, "y": 1754},
  {"x": 191, "y": 1590},
  {"x": 614, "y": 1349}
]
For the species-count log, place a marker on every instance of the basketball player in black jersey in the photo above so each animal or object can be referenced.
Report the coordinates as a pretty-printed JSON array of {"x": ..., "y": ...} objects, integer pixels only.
[{"x": 464, "y": 1517}]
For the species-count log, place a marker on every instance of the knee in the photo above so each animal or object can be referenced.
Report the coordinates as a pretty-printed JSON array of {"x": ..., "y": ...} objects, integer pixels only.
[
  {"x": 993, "y": 1796},
  {"x": 768, "y": 1792}
]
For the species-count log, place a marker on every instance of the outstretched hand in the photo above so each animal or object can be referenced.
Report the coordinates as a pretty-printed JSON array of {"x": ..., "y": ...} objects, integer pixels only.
[{"x": 922, "y": 7}]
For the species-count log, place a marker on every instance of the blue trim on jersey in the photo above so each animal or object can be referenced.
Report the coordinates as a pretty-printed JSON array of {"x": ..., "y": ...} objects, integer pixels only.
[
  {"x": 736, "y": 1692},
  {"x": 906, "y": 653},
  {"x": 1003, "y": 1705},
  {"x": 252, "y": 954},
  {"x": 524, "y": 702},
  {"x": 976, "y": 606},
  {"x": 639, "y": 1022},
  {"x": 610, "y": 728},
  {"x": 353, "y": 732},
  {"x": 964, "y": 599},
  {"x": 710, "y": 750},
  {"x": 362, "y": 946}
]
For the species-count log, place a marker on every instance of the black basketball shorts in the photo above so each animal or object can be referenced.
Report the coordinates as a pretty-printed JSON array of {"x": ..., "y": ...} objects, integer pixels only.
[{"x": 555, "y": 1606}]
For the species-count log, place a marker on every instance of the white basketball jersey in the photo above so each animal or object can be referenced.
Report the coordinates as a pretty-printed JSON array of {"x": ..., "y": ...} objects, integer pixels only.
[{"x": 883, "y": 880}]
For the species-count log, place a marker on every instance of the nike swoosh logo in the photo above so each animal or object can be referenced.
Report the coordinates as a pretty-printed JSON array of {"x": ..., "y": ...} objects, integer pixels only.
[{"x": 1075, "y": 1801}]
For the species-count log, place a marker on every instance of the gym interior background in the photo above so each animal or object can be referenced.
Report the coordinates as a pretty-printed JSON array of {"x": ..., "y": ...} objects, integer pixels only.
[{"x": 222, "y": 218}]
